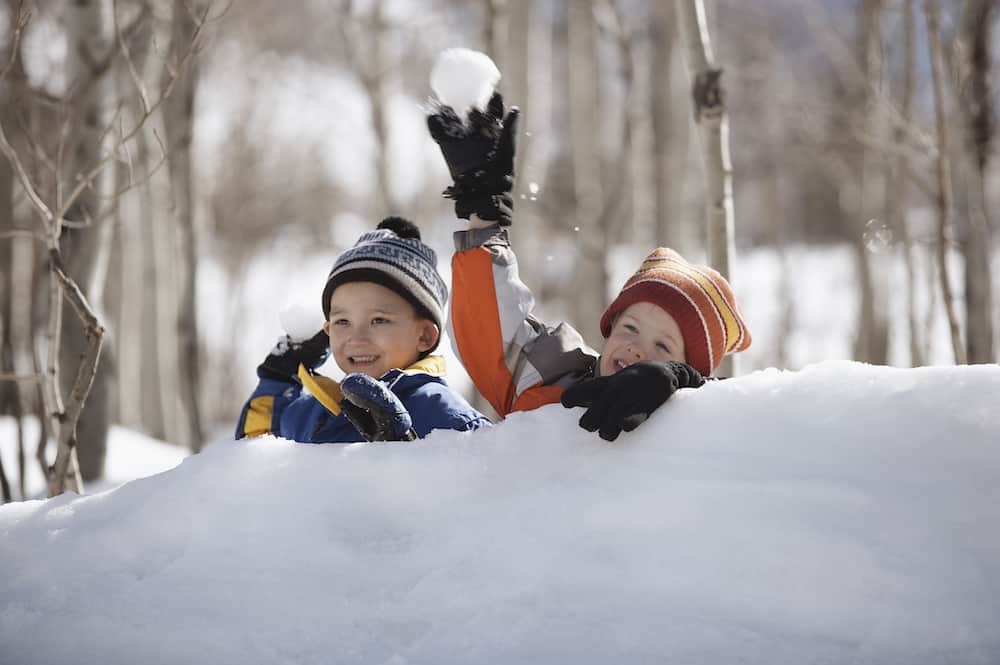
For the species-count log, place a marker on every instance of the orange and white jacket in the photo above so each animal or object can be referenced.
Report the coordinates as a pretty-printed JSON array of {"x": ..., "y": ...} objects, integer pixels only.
[{"x": 517, "y": 362}]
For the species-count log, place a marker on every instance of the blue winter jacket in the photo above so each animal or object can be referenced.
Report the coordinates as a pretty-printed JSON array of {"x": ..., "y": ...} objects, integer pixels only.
[{"x": 282, "y": 409}]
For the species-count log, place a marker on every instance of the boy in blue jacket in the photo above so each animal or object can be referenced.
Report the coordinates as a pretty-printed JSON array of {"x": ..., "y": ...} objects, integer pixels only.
[{"x": 384, "y": 307}]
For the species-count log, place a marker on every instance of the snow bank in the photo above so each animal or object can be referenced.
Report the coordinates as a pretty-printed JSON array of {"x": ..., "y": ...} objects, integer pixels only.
[
  {"x": 130, "y": 455},
  {"x": 842, "y": 513}
]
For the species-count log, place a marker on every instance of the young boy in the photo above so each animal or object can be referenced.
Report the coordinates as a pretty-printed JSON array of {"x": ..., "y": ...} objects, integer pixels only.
[
  {"x": 671, "y": 323},
  {"x": 383, "y": 303}
]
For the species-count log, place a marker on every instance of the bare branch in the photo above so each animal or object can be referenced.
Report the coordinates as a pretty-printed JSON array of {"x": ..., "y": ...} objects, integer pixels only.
[
  {"x": 140, "y": 86},
  {"x": 20, "y": 378},
  {"x": 86, "y": 179}
]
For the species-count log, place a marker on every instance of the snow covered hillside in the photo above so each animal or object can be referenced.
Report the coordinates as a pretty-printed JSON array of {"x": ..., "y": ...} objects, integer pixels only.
[{"x": 842, "y": 513}]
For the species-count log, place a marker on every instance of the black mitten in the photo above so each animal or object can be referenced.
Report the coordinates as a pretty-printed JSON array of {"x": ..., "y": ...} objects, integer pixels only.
[
  {"x": 480, "y": 157},
  {"x": 624, "y": 400},
  {"x": 374, "y": 410},
  {"x": 282, "y": 364}
]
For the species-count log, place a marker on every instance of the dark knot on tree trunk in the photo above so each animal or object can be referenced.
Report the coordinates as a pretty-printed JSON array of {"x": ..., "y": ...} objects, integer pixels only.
[{"x": 709, "y": 98}]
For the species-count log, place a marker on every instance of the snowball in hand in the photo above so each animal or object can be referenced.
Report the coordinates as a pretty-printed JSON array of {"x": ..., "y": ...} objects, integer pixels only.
[
  {"x": 462, "y": 79},
  {"x": 300, "y": 322}
]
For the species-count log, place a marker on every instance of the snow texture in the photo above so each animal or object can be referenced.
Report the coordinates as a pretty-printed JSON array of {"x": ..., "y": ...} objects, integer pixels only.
[
  {"x": 301, "y": 321},
  {"x": 841, "y": 513},
  {"x": 463, "y": 79}
]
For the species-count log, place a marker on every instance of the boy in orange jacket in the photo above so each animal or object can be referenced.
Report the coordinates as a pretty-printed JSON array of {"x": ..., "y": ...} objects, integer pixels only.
[{"x": 668, "y": 328}]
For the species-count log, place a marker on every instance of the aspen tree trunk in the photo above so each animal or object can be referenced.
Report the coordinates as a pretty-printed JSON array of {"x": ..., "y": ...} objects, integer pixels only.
[
  {"x": 667, "y": 178},
  {"x": 162, "y": 240},
  {"x": 980, "y": 123},
  {"x": 10, "y": 399},
  {"x": 713, "y": 124},
  {"x": 899, "y": 185},
  {"x": 494, "y": 29},
  {"x": 585, "y": 131},
  {"x": 86, "y": 250},
  {"x": 944, "y": 194},
  {"x": 375, "y": 85},
  {"x": 179, "y": 120},
  {"x": 523, "y": 28},
  {"x": 872, "y": 342}
]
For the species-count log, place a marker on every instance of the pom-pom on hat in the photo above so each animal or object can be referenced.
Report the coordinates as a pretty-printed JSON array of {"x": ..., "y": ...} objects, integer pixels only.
[
  {"x": 699, "y": 299},
  {"x": 393, "y": 255}
]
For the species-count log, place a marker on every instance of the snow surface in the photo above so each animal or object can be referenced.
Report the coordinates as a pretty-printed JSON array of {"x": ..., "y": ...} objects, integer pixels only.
[
  {"x": 462, "y": 79},
  {"x": 130, "y": 455},
  {"x": 842, "y": 513}
]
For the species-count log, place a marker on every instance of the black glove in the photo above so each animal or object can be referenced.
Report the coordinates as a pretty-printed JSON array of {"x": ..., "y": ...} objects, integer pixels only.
[
  {"x": 480, "y": 157},
  {"x": 282, "y": 364},
  {"x": 622, "y": 401},
  {"x": 374, "y": 410}
]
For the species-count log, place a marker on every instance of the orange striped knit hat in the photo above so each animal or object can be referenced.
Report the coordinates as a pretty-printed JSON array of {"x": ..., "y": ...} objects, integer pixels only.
[{"x": 699, "y": 299}]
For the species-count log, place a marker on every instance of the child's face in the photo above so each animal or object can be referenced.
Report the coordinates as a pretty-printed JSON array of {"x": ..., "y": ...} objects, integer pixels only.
[
  {"x": 643, "y": 331},
  {"x": 373, "y": 329}
]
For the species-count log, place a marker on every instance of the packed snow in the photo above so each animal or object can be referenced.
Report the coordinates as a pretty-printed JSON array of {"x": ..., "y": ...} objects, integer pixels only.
[
  {"x": 130, "y": 455},
  {"x": 841, "y": 513},
  {"x": 464, "y": 79},
  {"x": 301, "y": 321}
]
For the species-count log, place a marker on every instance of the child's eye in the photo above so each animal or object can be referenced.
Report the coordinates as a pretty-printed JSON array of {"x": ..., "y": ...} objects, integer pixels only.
[
  {"x": 663, "y": 347},
  {"x": 341, "y": 322},
  {"x": 629, "y": 327},
  {"x": 380, "y": 320}
]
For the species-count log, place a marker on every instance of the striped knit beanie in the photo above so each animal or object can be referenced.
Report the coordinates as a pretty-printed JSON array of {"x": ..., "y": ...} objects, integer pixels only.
[
  {"x": 699, "y": 299},
  {"x": 393, "y": 256}
]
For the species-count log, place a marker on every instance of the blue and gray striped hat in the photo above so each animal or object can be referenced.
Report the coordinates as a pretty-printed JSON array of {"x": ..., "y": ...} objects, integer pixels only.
[{"x": 393, "y": 255}]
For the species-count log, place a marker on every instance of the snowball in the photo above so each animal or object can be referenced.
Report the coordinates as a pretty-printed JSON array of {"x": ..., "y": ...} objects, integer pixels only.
[
  {"x": 462, "y": 79},
  {"x": 301, "y": 321}
]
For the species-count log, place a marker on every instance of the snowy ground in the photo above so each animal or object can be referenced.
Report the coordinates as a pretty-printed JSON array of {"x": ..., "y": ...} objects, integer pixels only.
[
  {"x": 842, "y": 513},
  {"x": 130, "y": 455}
]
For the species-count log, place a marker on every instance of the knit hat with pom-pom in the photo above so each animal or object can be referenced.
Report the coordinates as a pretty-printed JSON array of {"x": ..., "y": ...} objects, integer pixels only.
[
  {"x": 699, "y": 299},
  {"x": 393, "y": 256}
]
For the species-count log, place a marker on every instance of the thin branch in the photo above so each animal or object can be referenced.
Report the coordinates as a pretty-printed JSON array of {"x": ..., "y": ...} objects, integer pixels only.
[
  {"x": 19, "y": 25},
  {"x": 21, "y": 233},
  {"x": 140, "y": 85},
  {"x": 86, "y": 179},
  {"x": 20, "y": 378}
]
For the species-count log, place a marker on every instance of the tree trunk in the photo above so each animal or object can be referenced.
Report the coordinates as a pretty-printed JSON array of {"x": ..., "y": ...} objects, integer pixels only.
[
  {"x": 713, "y": 123},
  {"x": 899, "y": 185},
  {"x": 590, "y": 286},
  {"x": 944, "y": 194},
  {"x": 90, "y": 27},
  {"x": 979, "y": 124},
  {"x": 872, "y": 341},
  {"x": 179, "y": 121},
  {"x": 665, "y": 151}
]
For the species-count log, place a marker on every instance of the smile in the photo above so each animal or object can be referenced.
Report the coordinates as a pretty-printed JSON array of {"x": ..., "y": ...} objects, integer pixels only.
[{"x": 362, "y": 360}]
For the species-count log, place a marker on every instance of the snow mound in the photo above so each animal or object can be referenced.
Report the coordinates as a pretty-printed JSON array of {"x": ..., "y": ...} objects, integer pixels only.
[{"x": 842, "y": 513}]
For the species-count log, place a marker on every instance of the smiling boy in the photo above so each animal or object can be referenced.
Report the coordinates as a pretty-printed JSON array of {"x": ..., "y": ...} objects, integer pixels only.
[
  {"x": 668, "y": 328},
  {"x": 383, "y": 305}
]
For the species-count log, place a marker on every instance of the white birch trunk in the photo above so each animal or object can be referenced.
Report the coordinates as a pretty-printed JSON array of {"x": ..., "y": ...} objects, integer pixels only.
[{"x": 713, "y": 124}]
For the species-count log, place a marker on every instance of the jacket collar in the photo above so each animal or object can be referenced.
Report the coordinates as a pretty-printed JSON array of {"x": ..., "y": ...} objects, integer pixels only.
[{"x": 327, "y": 391}]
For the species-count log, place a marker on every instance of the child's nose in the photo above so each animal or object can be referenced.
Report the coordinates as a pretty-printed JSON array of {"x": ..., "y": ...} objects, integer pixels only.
[{"x": 636, "y": 351}]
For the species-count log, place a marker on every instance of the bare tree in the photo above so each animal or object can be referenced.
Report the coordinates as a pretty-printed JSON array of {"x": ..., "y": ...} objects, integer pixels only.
[
  {"x": 585, "y": 131},
  {"x": 899, "y": 184},
  {"x": 713, "y": 123},
  {"x": 78, "y": 204},
  {"x": 179, "y": 123},
  {"x": 980, "y": 124},
  {"x": 943, "y": 200}
]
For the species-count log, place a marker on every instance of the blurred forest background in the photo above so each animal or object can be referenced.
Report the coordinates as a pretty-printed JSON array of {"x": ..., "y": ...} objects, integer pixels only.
[{"x": 170, "y": 166}]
